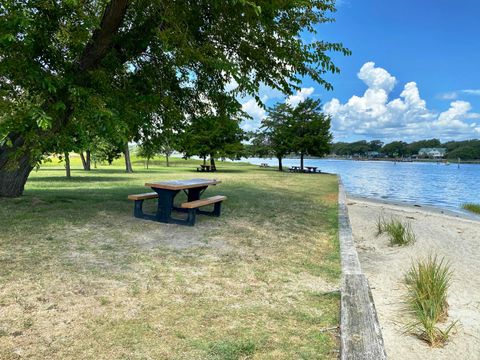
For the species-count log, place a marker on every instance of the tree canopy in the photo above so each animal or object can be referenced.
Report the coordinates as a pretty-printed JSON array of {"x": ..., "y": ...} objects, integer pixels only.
[
  {"x": 303, "y": 129},
  {"x": 215, "y": 133},
  {"x": 272, "y": 139},
  {"x": 309, "y": 129},
  {"x": 70, "y": 68}
]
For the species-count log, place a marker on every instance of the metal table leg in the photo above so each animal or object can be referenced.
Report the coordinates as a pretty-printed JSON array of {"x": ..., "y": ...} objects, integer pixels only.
[
  {"x": 165, "y": 204},
  {"x": 194, "y": 193}
]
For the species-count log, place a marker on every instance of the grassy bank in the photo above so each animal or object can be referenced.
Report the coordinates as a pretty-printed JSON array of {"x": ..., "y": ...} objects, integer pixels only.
[
  {"x": 475, "y": 208},
  {"x": 82, "y": 278}
]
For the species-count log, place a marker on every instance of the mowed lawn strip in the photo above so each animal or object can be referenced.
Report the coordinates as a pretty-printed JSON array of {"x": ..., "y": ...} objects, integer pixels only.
[{"x": 82, "y": 278}]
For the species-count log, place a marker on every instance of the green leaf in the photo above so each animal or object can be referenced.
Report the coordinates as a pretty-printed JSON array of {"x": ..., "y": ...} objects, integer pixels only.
[
  {"x": 59, "y": 106},
  {"x": 7, "y": 38},
  {"x": 43, "y": 121}
]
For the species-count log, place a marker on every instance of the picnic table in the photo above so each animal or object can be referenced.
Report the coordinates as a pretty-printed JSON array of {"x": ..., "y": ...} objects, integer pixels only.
[
  {"x": 166, "y": 191},
  {"x": 308, "y": 169},
  {"x": 207, "y": 168}
]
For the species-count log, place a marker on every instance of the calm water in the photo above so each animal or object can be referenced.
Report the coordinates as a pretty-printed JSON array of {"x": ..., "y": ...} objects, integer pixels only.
[{"x": 420, "y": 183}]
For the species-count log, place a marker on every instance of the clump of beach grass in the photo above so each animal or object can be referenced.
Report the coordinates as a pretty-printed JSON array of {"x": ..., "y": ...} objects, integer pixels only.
[
  {"x": 475, "y": 208},
  {"x": 400, "y": 233},
  {"x": 427, "y": 283}
]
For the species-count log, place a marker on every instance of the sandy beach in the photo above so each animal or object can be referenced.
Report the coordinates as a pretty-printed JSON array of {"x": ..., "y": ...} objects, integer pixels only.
[{"x": 449, "y": 235}]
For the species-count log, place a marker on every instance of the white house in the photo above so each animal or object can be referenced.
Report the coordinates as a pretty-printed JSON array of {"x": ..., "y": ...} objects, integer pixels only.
[{"x": 435, "y": 153}]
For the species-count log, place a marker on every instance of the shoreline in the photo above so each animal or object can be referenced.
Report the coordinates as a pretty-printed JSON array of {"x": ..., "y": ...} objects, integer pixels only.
[
  {"x": 442, "y": 161},
  {"x": 451, "y": 162},
  {"x": 461, "y": 214}
]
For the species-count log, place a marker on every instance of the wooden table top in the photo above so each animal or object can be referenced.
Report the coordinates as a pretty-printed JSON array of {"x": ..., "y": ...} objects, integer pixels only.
[{"x": 182, "y": 184}]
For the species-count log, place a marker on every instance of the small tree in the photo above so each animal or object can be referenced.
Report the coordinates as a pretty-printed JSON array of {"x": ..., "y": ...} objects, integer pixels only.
[
  {"x": 273, "y": 138},
  {"x": 216, "y": 132},
  {"x": 158, "y": 143},
  {"x": 105, "y": 151},
  {"x": 169, "y": 141},
  {"x": 147, "y": 150}
]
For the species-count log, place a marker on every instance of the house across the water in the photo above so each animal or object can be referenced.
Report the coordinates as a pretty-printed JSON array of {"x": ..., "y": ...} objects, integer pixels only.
[{"x": 433, "y": 153}]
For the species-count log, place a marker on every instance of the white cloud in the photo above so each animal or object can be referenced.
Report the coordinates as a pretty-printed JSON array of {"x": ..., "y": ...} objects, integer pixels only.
[
  {"x": 376, "y": 78},
  {"x": 300, "y": 96},
  {"x": 404, "y": 118},
  {"x": 472, "y": 92},
  {"x": 258, "y": 113},
  {"x": 452, "y": 95}
]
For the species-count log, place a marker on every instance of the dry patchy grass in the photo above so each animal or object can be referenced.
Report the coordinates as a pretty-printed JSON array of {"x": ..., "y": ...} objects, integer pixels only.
[{"x": 81, "y": 278}]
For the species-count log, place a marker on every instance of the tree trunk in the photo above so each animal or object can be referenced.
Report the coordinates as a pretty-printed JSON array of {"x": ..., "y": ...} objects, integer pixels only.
[
  {"x": 84, "y": 162},
  {"x": 212, "y": 161},
  {"x": 148, "y": 162},
  {"x": 204, "y": 160},
  {"x": 67, "y": 166},
  {"x": 13, "y": 172},
  {"x": 88, "y": 160},
  {"x": 280, "y": 166},
  {"x": 301, "y": 161},
  {"x": 128, "y": 163},
  {"x": 167, "y": 157}
]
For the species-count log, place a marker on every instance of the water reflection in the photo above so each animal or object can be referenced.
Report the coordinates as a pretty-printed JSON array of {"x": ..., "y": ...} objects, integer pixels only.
[{"x": 421, "y": 183}]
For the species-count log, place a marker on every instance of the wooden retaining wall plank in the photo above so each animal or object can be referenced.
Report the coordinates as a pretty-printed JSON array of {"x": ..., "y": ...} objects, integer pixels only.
[{"x": 360, "y": 332}]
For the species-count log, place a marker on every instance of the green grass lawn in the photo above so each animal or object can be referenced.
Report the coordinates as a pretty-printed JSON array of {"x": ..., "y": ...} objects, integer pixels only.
[{"x": 81, "y": 278}]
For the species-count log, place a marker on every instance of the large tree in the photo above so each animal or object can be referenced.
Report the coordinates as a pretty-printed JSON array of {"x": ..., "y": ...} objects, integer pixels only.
[
  {"x": 274, "y": 135},
  {"x": 106, "y": 66},
  {"x": 303, "y": 129},
  {"x": 310, "y": 130}
]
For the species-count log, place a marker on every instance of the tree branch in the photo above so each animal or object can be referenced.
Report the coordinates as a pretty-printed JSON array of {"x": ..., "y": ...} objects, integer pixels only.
[{"x": 102, "y": 38}]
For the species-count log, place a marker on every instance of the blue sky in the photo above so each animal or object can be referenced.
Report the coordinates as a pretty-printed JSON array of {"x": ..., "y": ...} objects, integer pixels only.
[{"x": 414, "y": 71}]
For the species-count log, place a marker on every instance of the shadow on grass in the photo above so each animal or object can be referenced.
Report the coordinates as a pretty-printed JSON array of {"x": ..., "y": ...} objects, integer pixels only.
[
  {"x": 220, "y": 171},
  {"x": 245, "y": 201},
  {"x": 81, "y": 179},
  {"x": 113, "y": 170},
  {"x": 247, "y": 209}
]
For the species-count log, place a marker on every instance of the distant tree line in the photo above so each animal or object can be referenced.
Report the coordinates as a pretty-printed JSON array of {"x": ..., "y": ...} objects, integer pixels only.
[{"x": 465, "y": 150}]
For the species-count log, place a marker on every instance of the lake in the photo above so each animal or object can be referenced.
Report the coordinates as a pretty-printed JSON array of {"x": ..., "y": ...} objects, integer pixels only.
[{"x": 440, "y": 185}]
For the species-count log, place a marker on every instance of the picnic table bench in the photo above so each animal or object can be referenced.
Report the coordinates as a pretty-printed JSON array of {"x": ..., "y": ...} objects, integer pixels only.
[
  {"x": 207, "y": 168},
  {"x": 167, "y": 190},
  {"x": 264, "y": 165},
  {"x": 308, "y": 169},
  {"x": 193, "y": 207}
]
